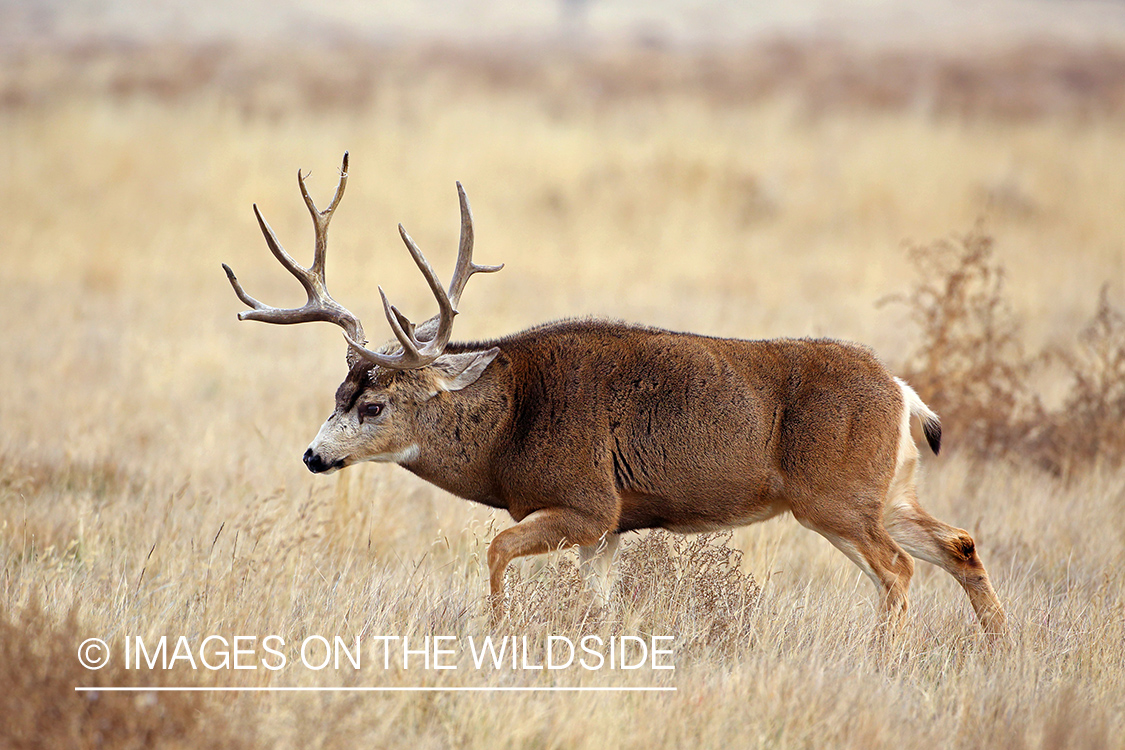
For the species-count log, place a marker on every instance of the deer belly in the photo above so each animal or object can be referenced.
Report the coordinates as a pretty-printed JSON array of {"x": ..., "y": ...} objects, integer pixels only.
[{"x": 692, "y": 516}]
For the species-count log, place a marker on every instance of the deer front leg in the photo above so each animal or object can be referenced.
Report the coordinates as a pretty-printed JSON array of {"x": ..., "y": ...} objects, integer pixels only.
[
  {"x": 542, "y": 531},
  {"x": 596, "y": 566}
]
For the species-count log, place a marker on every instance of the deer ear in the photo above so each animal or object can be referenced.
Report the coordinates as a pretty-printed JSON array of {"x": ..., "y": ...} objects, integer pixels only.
[{"x": 456, "y": 371}]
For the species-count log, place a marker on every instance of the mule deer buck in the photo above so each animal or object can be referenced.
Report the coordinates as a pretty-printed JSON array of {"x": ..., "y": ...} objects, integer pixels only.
[{"x": 586, "y": 429}]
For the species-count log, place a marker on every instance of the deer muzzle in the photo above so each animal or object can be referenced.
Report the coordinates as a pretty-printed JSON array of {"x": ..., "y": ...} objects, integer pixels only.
[{"x": 318, "y": 465}]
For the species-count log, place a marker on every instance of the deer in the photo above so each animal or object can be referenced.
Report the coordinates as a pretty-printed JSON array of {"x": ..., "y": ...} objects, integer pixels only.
[{"x": 585, "y": 429}]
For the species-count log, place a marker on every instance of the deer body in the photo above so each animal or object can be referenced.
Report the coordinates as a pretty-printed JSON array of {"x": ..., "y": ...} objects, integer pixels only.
[
  {"x": 585, "y": 429},
  {"x": 683, "y": 432}
]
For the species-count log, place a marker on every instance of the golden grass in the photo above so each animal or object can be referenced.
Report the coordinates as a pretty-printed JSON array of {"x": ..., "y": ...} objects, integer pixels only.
[{"x": 149, "y": 458}]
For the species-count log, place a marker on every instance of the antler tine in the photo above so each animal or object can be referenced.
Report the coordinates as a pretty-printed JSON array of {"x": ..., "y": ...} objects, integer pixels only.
[
  {"x": 415, "y": 353},
  {"x": 465, "y": 266},
  {"x": 284, "y": 258},
  {"x": 404, "y": 322},
  {"x": 321, "y": 218},
  {"x": 402, "y": 328},
  {"x": 320, "y": 305},
  {"x": 242, "y": 295},
  {"x": 446, "y": 310}
]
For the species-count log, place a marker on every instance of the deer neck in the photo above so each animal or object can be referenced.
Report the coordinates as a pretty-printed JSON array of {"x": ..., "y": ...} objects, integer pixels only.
[{"x": 457, "y": 438}]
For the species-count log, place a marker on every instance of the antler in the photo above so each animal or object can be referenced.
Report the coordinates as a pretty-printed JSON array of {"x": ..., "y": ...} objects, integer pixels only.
[
  {"x": 421, "y": 345},
  {"x": 465, "y": 266},
  {"x": 320, "y": 305},
  {"x": 429, "y": 331}
]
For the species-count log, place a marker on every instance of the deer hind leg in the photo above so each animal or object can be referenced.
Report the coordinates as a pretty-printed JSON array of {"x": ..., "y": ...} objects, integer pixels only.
[
  {"x": 860, "y": 535},
  {"x": 597, "y": 563},
  {"x": 540, "y": 532},
  {"x": 950, "y": 548}
]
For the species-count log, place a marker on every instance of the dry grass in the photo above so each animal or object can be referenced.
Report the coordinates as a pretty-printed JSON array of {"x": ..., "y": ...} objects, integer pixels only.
[
  {"x": 150, "y": 480},
  {"x": 39, "y": 707}
]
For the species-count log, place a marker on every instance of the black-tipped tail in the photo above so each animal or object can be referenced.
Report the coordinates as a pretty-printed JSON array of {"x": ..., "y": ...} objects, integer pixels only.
[
  {"x": 931, "y": 425},
  {"x": 932, "y": 430}
]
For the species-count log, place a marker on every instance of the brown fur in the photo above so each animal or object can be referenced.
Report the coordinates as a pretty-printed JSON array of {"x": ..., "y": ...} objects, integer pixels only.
[{"x": 581, "y": 429}]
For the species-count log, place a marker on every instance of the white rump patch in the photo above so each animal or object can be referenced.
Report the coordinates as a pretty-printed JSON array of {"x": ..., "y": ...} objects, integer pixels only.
[{"x": 914, "y": 403}]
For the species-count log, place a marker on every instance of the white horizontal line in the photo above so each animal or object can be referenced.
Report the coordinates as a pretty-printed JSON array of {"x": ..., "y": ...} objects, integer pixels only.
[{"x": 412, "y": 689}]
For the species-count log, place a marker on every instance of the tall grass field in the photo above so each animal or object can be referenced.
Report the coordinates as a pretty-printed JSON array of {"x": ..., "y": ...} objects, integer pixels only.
[{"x": 964, "y": 216}]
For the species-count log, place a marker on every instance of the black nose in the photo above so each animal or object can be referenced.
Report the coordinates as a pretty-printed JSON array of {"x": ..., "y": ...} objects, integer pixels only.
[{"x": 314, "y": 462}]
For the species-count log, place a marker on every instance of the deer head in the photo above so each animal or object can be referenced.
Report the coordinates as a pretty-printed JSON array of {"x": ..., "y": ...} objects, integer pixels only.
[{"x": 376, "y": 404}]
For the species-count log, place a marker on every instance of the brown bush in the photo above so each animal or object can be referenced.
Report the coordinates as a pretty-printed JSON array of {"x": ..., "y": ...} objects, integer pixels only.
[
  {"x": 699, "y": 581},
  {"x": 972, "y": 367},
  {"x": 690, "y": 585},
  {"x": 700, "y": 575},
  {"x": 970, "y": 363},
  {"x": 1089, "y": 426},
  {"x": 40, "y": 708}
]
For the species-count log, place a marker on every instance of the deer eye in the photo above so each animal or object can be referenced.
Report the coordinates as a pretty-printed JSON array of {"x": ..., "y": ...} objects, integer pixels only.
[{"x": 370, "y": 411}]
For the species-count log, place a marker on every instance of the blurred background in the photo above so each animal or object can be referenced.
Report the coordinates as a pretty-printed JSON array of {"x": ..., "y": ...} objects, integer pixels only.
[
  {"x": 707, "y": 22},
  {"x": 741, "y": 169}
]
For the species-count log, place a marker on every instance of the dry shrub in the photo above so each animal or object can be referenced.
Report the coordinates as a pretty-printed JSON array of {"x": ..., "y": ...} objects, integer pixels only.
[
  {"x": 554, "y": 591},
  {"x": 971, "y": 366},
  {"x": 40, "y": 708},
  {"x": 697, "y": 581},
  {"x": 1088, "y": 427},
  {"x": 692, "y": 586}
]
